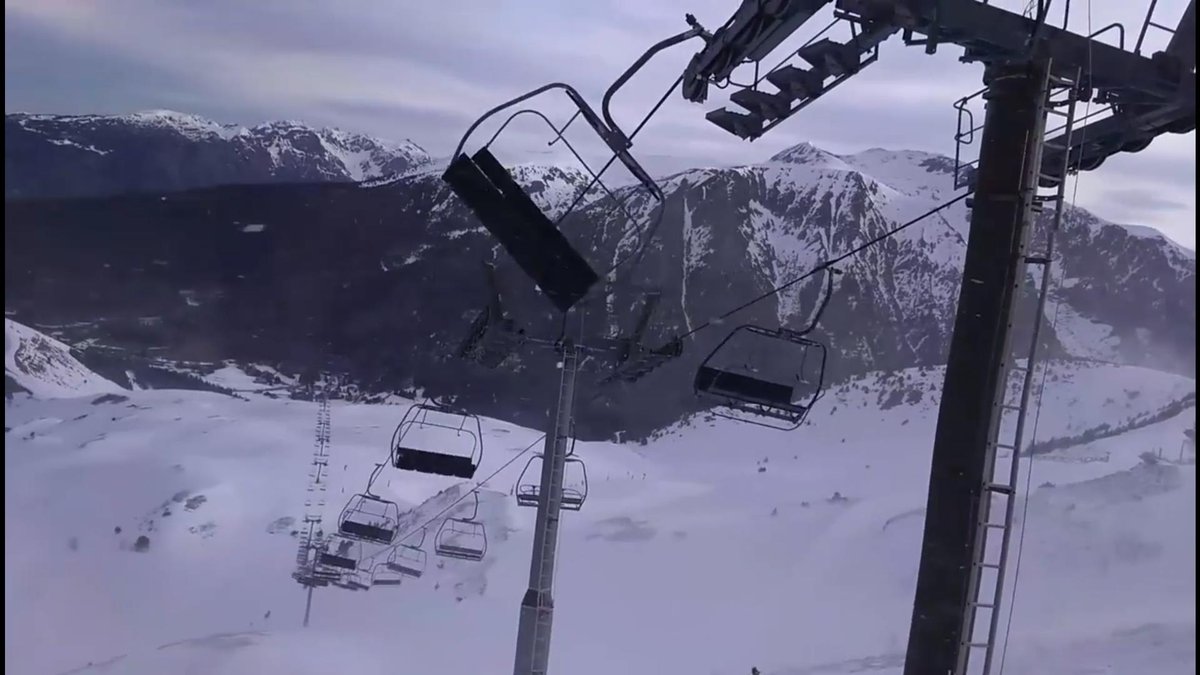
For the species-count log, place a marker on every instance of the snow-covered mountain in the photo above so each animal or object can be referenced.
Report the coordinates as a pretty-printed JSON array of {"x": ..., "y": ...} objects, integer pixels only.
[
  {"x": 40, "y": 365},
  {"x": 161, "y": 150},
  {"x": 159, "y": 531},
  {"x": 290, "y": 275}
]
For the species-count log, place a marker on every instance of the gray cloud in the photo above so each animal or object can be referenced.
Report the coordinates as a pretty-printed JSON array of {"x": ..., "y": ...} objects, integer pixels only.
[{"x": 400, "y": 68}]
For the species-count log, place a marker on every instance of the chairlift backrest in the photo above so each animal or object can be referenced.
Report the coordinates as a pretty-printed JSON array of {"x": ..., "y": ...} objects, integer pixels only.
[{"x": 534, "y": 242}]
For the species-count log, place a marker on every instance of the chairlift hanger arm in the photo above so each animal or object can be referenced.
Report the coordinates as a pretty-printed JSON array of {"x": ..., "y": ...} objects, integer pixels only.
[
  {"x": 694, "y": 32},
  {"x": 375, "y": 474},
  {"x": 611, "y": 139},
  {"x": 827, "y": 294},
  {"x": 576, "y": 98}
]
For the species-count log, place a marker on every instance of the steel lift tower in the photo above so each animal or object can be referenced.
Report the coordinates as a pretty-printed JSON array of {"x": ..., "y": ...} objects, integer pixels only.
[{"x": 1033, "y": 72}]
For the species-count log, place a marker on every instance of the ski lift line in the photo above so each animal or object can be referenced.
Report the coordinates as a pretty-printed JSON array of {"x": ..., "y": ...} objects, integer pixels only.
[
  {"x": 825, "y": 265},
  {"x": 1037, "y": 415},
  {"x": 456, "y": 502}
]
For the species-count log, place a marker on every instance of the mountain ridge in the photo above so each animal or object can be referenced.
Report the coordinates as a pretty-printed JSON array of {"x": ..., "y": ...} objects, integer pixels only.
[
  {"x": 290, "y": 275},
  {"x": 163, "y": 150}
]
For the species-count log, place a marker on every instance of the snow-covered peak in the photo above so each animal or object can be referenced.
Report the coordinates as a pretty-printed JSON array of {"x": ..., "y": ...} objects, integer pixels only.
[
  {"x": 275, "y": 151},
  {"x": 809, "y": 154},
  {"x": 366, "y": 158},
  {"x": 185, "y": 124},
  {"x": 44, "y": 366},
  {"x": 1144, "y": 232}
]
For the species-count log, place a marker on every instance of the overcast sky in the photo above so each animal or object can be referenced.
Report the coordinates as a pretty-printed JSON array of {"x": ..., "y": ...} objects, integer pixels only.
[{"x": 425, "y": 70}]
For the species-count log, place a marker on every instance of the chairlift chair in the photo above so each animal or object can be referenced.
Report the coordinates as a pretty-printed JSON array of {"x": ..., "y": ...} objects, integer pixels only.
[
  {"x": 357, "y": 581},
  {"x": 370, "y": 518},
  {"x": 462, "y": 538},
  {"x": 532, "y": 238},
  {"x": 749, "y": 395},
  {"x": 383, "y": 575},
  {"x": 574, "y": 492},
  {"x": 343, "y": 554},
  {"x": 409, "y": 559},
  {"x": 438, "y": 461}
]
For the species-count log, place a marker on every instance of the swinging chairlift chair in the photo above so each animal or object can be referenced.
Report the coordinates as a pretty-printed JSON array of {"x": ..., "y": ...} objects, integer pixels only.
[
  {"x": 368, "y": 517},
  {"x": 437, "y": 462},
  {"x": 383, "y": 575},
  {"x": 574, "y": 493},
  {"x": 775, "y": 404},
  {"x": 344, "y": 557},
  {"x": 409, "y": 559},
  {"x": 355, "y": 581},
  {"x": 462, "y": 538},
  {"x": 509, "y": 214}
]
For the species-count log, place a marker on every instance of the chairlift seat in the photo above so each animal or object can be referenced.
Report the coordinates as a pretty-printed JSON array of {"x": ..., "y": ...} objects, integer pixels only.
[
  {"x": 527, "y": 495},
  {"x": 407, "y": 560},
  {"x": 460, "y": 552},
  {"x": 462, "y": 539},
  {"x": 338, "y": 561},
  {"x": 534, "y": 242},
  {"x": 373, "y": 533},
  {"x": 406, "y": 568},
  {"x": 572, "y": 499},
  {"x": 440, "y": 464},
  {"x": 369, "y": 518},
  {"x": 387, "y": 581}
]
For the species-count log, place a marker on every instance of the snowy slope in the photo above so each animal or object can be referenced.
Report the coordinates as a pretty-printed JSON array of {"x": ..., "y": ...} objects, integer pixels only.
[
  {"x": 710, "y": 549},
  {"x": 44, "y": 366}
]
